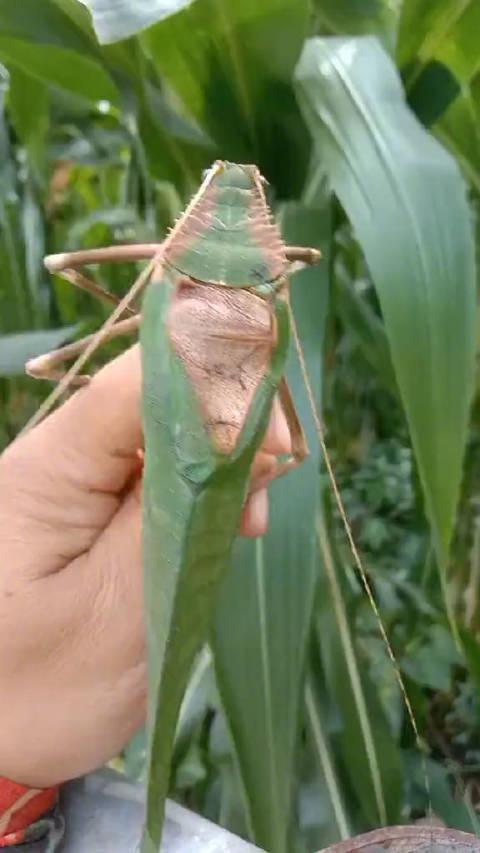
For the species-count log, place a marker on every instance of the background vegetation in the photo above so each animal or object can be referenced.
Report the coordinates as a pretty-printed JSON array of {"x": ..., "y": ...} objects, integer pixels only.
[{"x": 293, "y": 731}]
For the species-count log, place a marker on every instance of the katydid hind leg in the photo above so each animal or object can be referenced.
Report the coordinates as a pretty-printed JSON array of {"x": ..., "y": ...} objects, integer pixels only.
[
  {"x": 299, "y": 446},
  {"x": 95, "y": 340},
  {"x": 48, "y": 366},
  {"x": 80, "y": 280}
]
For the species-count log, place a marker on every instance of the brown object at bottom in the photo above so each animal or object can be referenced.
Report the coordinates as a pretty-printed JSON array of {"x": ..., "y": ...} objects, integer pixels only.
[{"x": 409, "y": 839}]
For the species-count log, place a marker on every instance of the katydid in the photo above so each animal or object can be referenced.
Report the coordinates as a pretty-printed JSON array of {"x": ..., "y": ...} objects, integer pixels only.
[{"x": 214, "y": 336}]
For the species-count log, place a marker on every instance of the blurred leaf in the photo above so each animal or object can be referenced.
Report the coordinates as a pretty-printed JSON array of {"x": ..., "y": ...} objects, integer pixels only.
[
  {"x": 459, "y": 129},
  {"x": 445, "y": 30},
  {"x": 163, "y": 113},
  {"x": 33, "y": 226},
  {"x": 174, "y": 147},
  {"x": 15, "y": 350},
  {"x": 259, "y": 648},
  {"x": 46, "y": 43},
  {"x": 406, "y": 200},
  {"x": 81, "y": 75},
  {"x": 356, "y": 17},
  {"x": 135, "y": 754},
  {"x": 471, "y": 647},
  {"x": 113, "y": 217},
  {"x": 452, "y": 808},
  {"x": 31, "y": 22},
  {"x": 195, "y": 701},
  {"x": 28, "y": 104},
  {"x": 15, "y": 310},
  {"x": 77, "y": 14},
  {"x": 114, "y": 20},
  {"x": 432, "y": 92},
  {"x": 191, "y": 769},
  {"x": 230, "y": 63},
  {"x": 430, "y": 663},
  {"x": 368, "y": 329},
  {"x": 370, "y": 754},
  {"x": 320, "y": 747}
]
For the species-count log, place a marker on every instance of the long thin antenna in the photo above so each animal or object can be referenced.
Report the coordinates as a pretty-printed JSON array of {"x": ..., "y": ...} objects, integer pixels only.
[{"x": 355, "y": 553}]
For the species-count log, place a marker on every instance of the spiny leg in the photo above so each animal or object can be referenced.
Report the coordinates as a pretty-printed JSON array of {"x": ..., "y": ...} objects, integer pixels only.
[
  {"x": 47, "y": 366},
  {"x": 134, "y": 252},
  {"x": 297, "y": 436},
  {"x": 136, "y": 289},
  {"x": 156, "y": 255}
]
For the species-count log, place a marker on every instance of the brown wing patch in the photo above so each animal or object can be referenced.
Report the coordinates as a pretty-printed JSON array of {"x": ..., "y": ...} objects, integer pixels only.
[{"x": 224, "y": 338}]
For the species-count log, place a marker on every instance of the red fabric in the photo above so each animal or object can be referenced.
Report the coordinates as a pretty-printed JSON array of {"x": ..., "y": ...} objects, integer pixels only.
[{"x": 20, "y": 807}]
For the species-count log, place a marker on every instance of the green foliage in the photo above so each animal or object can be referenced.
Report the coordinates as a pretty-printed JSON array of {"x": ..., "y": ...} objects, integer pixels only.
[
  {"x": 403, "y": 194},
  {"x": 115, "y": 21},
  {"x": 293, "y": 730},
  {"x": 275, "y": 578}
]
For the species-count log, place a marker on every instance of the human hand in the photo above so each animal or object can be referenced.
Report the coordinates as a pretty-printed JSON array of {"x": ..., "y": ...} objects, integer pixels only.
[{"x": 72, "y": 658}]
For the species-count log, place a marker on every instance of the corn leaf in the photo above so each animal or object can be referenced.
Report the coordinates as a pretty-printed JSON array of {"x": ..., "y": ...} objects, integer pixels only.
[{"x": 406, "y": 200}]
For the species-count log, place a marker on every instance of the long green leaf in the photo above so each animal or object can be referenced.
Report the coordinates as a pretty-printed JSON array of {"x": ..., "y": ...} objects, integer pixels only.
[
  {"x": 406, "y": 200},
  {"x": 115, "y": 20},
  {"x": 263, "y": 618},
  {"x": 370, "y": 755},
  {"x": 321, "y": 749},
  {"x": 45, "y": 42},
  {"x": 28, "y": 103},
  {"x": 217, "y": 57},
  {"x": 81, "y": 75},
  {"x": 42, "y": 24}
]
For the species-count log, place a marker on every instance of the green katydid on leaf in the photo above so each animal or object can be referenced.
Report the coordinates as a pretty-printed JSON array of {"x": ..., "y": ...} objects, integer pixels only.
[{"x": 216, "y": 307}]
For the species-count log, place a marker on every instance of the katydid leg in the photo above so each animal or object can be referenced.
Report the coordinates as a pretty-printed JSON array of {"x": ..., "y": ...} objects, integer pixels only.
[
  {"x": 65, "y": 265},
  {"x": 299, "y": 450},
  {"x": 48, "y": 366},
  {"x": 81, "y": 281},
  {"x": 303, "y": 255},
  {"x": 107, "y": 255},
  {"x": 145, "y": 251}
]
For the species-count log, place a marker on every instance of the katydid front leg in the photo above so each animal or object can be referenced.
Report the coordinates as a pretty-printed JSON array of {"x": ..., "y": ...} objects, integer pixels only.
[{"x": 297, "y": 437}]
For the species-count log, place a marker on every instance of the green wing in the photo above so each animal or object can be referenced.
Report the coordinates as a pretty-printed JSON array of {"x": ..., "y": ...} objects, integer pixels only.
[{"x": 193, "y": 499}]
